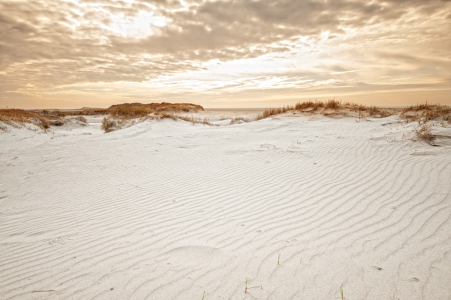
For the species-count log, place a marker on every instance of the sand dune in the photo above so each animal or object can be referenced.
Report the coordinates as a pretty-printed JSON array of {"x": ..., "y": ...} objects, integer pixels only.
[{"x": 299, "y": 206}]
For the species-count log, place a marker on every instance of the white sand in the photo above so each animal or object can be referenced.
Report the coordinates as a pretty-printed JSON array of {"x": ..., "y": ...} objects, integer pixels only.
[{"x": 170, "y": 210}]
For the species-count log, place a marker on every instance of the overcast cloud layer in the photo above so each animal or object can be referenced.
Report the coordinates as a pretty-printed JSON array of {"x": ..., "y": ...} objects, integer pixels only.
[{"x": 223, "y": 53}]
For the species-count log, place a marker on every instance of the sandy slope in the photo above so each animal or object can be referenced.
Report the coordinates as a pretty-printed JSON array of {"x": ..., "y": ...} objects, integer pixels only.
[{"x": 168, "y": 210}]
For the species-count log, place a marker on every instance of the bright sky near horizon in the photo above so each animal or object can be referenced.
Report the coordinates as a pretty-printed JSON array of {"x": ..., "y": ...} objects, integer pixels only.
[{"x": 239, "y": 53}]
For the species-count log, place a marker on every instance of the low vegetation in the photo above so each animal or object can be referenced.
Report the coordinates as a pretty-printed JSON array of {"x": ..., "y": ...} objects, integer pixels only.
[
  {"x": 129, "y": 112},
  {"x": 422, "y": 114},
  {"x": 239, "y": 120},
  {"x": 328, "y": 108},
  {"x": 109, "y": 124},
  {"x": 65, "y": 113},
  {"x": 194, "y": 120},
  {"x": 19, "y": 117},
  {"x": 119, "y": 115},
  {"x": 424, "y": 133},
  {"x": 81, "y": 119},
  {"x": 162, "y": 107},
  {"x": 426, "y": 112},
  {"x": 112, "y": 123}
]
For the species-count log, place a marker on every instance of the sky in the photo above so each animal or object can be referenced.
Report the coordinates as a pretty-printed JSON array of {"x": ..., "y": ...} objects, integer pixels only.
[{"x": 237, "y": 53}]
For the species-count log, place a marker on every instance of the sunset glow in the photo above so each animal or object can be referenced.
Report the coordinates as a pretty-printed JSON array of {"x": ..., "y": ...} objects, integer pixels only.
[{"x": 96, "y": 53}]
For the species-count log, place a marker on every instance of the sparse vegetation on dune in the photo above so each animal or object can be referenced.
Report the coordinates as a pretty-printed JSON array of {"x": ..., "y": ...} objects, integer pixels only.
[
  {"x": 194, "y": 120},
  {"x": 239, "y": 120},
  {"x": 119, "y": 115},
  {"x": 64, "y": 113},
  {"x": 130, "y": 112},
  {"x": 165, "y": 116},
  {"x": 274, "y": 111},
  {"x": 18, "y": 117},
  {"x": 127, "y": 114},
  {"x": 426, "y": 112},
  {"x": 112, "y": 123},
  {"x": 164, "y": 106},
  {"x": 421, "y": 113}
]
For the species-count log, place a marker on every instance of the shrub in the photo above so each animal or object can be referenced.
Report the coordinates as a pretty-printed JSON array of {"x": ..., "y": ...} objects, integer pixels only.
[{"x": 108, "y": 124}]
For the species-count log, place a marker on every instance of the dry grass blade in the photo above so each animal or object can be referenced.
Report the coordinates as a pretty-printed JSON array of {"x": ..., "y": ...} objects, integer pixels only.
[{"x": 424, "y": 133}]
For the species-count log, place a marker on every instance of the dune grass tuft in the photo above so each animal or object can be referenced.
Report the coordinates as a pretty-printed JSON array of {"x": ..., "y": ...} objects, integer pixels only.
[
  {"x": 424, "y": 133},
  {"x": 168, "y": 116},
  {"x": 274, "y": 111},
  {"x": 108, "y": 124},
  {"x": 332, "y": 104}
]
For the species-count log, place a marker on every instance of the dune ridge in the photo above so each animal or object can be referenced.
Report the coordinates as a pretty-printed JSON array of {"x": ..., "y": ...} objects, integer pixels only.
[{"x": 167, "y": 210}]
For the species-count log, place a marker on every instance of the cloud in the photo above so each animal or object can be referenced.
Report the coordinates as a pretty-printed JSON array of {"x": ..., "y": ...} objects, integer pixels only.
[{"x": 55, "y": 43}]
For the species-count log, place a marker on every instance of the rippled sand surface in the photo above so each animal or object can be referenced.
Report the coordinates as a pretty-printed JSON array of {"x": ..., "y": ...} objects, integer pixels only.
[{"x": 295, "y": 206}]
